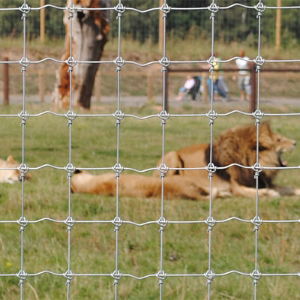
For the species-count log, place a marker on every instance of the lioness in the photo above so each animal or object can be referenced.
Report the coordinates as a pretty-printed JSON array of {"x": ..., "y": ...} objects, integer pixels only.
[
  {"x": 11, "y": 174},
  {"x": 133, "y": 185},
  {"x": 236, "y": 146}
]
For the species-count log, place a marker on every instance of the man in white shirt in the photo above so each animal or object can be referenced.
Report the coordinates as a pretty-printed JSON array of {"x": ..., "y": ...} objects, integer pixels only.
[
  {"x": 243, "y": 76},
  {"x": 189, "y": 83}
]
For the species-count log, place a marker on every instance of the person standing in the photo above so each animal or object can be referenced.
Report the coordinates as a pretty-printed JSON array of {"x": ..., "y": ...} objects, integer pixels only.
[
  {"x": 219, "y": 86},
  {"x": 243, "y": 76},
  {"x": 188, "y": 85}
]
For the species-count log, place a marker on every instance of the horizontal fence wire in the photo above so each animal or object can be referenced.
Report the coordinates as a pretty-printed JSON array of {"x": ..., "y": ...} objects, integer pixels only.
[{"x": 163, "y": 116}]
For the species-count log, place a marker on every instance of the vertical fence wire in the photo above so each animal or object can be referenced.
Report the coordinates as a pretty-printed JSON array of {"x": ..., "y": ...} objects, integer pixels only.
[
  {"x": 210, "y": 221},
  {"x": 256, "y": 272},
  {"x": 23, "y": 221},
  {"x": 69, "y": 167},
  {"x": 118, "y": 167},
  {"x": 161, "y": 275},
  {"x": 164, "y": 70}
]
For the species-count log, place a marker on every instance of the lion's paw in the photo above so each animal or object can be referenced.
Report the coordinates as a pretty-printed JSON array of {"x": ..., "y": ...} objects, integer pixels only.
[{"x": 268, "y": 193}]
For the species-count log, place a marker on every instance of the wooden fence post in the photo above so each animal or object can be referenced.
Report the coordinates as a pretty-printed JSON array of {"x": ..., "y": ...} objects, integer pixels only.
[
  {"x": 6, "y": 82},
  {"x": 42, "y": 21},
  {"x": 253, "y": 99},
  {"x": 278, "y": 26},
  {"x": 167, "y": 90},
  {"x": 205, "y": 88},
  {"x": 98, "y": 86},
  {"x": 160, "y": 28},
  {"x": 150, "y": 86},
  {"x": 41, "y": 84}
]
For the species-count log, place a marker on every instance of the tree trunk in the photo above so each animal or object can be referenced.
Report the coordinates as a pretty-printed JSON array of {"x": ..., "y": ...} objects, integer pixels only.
[{"x": 89, "y": 35}]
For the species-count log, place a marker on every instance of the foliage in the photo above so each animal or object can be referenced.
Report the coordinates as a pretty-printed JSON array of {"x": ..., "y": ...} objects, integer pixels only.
[{"x": 11, "y": 23}]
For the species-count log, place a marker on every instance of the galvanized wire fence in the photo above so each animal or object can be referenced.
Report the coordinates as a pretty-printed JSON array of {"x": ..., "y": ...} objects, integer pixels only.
[{"x": 70, "y": 116}]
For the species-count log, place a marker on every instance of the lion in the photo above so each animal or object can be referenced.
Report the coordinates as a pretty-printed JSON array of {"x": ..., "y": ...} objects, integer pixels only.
[
  {"x": 235, "y": 146},
  {"x": 138, "y": 186},
  {"x": 9, "y": 172}
]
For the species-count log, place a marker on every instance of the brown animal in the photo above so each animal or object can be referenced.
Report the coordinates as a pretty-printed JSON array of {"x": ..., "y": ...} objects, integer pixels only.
[
  {"x": 236, "y": 145},
  {"x": 138, "y": 186},
  {"x": 10, "y": 173}
]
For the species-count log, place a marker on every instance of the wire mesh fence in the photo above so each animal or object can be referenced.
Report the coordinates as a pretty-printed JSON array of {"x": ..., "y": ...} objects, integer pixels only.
[{"x": 119, "y": 62}]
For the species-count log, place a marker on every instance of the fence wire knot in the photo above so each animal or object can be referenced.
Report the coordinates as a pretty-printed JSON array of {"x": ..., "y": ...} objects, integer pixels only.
[
  {"x": 256, "y": 275},
  {"x": 71, "y": 62},
  {"x": 23, "y": 222},
  {"x": 70, "y": 223},
  {"x": 120, "y": 62},
  {"x": 71, "y": 10},
  {"x": 116, "y": 275},
  {"x": 259, "y": 61},
  {"x": 257, "y": 169},
  {"x": 257, "y": 222},
  {"x": 24, "y": 62},
  {"x": 119, "y": 116},
  {"x": 120, "y": 9},
  {"x": 165, "y": 62},
  {"x": 117, "y": 221},
  {"x": 23, "y": 168},
  {"x": 69, "y": 276},
  {"x": 163, "y": 170},
  {"x": 25, "y": 9},
  {"x": 212, "y": 62},
  {"x": 213, "y": 8},
  {"x": 212, "y": 115},
  {"x": 210, "y": 222},
  {"x": 70, "y": 115},
  {"x": 161, "y": 276},
  {"x": 258, "y": 115},
  {"x": 165, "y": 9},
  {"x": 70, "y": 169},
  {"x": 23, "y": 115},
  {"x": 209, "y": 275},
  {"x": 22, "y": 275},
  {"x": 162, "y": 222},
  {"x": 118, "y": 169},
  {"x": 211, "y": 168},
  {"x": 260, "y": 9},
  {"x": 164, "y": 116}
]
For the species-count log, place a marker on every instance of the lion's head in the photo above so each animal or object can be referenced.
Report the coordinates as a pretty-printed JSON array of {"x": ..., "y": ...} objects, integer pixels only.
[
  {"x": 271, "y": 147},
  {"x": 239, "y": 145},
  {"x": 10, "y": 172}
]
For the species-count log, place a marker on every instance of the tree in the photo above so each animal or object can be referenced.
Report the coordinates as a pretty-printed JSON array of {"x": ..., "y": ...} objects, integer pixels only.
[{"x": 89, "y": 35}]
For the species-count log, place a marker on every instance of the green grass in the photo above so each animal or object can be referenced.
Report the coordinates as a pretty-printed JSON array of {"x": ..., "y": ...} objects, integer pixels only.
[{"x": 93, "y": 246}]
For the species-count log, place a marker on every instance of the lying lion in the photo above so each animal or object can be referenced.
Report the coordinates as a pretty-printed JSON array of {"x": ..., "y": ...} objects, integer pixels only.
[
  {"x": 236, "y": 146},
  {"x": 11, "y": 174},
  {"x": 138, "y": 186}
]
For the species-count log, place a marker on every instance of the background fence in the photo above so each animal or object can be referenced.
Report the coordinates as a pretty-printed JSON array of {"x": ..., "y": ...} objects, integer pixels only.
[{"x": 120, "y": 63}]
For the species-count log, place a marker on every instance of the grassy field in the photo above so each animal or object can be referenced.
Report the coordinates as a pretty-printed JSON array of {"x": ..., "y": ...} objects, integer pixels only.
[{"x": 93, "y": 246}]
